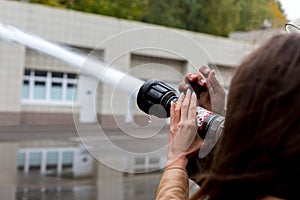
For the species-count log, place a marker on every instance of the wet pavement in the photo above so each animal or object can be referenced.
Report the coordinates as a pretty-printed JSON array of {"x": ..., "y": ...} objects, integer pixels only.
[
  {"x": 38, "y": 187},
  {"x": 34, "y": 186}
]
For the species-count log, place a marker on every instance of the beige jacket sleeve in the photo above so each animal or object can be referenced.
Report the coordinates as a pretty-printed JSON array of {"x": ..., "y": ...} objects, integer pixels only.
[{"x": 174, "y": 185}]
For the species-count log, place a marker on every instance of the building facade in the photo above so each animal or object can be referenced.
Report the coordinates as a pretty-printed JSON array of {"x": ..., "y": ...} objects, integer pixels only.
[{"x": 39, "y": 89}]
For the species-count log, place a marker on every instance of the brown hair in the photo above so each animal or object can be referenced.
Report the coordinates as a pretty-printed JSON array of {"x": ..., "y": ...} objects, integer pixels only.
[{"x": 259, "y": 151}]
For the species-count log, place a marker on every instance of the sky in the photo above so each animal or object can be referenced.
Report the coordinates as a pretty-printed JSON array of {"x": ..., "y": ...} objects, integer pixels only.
[{"x": 291, "y": 8}]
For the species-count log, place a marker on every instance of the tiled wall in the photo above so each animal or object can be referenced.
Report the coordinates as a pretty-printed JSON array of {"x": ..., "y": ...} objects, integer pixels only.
[
  {"x": 11, "y": 76},
  {"x": 8, "y": 179}
]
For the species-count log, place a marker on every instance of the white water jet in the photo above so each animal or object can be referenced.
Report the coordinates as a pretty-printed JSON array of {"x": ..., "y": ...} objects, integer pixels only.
[{"x": 91, "y": 67}]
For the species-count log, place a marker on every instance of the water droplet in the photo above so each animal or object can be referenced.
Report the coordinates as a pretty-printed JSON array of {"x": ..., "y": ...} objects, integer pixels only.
[{"x": 150, "y": 119}]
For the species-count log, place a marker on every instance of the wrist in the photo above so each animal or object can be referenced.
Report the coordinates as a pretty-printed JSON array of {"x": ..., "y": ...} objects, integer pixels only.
[{"x": 180, "y": 162}]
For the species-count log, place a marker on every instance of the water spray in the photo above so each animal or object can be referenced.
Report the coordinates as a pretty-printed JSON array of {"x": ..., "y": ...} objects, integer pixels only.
[{"x": 92, "y": 67}]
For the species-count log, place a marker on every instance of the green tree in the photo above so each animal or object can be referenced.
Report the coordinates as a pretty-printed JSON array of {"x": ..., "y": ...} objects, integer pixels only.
[
  {"x": 127, "y": 9},
  {"x": 221, "y": 17},
  {"x": 218, "y": 17},
  {"x": 253, "y": 13},
  {"x": 56, "y": 3}
]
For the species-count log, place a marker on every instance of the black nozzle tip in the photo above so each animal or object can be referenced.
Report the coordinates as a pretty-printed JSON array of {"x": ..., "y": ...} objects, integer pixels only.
[{"x": 155, "y": 97}]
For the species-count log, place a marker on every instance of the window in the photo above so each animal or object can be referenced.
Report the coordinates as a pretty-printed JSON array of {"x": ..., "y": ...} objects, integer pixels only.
[{"x": 51, "y": 87}]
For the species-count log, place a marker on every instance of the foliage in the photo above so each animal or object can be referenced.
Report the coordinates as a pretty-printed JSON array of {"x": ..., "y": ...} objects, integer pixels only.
[
  {"x": 277, "y": 15},
  {"x": 196, "y": 15},
  {"x": 128, "y": 9},
  {"x": 253, "y": 13},
  {"x": 218, "y": 17}
]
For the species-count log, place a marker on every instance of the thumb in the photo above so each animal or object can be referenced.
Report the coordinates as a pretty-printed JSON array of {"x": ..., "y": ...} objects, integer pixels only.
[
  {"x": 216, "y": 92},
  {"x": 213, "y": 83}
]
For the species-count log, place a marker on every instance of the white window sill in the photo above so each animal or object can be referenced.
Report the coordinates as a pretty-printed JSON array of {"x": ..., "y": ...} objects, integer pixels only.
[{"x": 50, "y": 103}]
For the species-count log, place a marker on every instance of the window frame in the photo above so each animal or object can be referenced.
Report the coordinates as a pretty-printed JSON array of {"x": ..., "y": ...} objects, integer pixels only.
[{"x": 49, "y": 80}]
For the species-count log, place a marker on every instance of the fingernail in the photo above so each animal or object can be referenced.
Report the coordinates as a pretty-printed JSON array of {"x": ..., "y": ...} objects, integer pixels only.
[
  {"x": 202, "y": 81},
  {"x": 193, "y": 76},
  {"x": 206, "y": 71},
  {"x": 194, "y": 94},
  {"x": 181, "y": 95},
  {"x": 188, "y": 91}
]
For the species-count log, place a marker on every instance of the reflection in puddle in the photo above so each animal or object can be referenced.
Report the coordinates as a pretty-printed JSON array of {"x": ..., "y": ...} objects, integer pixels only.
[
  {"x": 59, "y": 193},
  {"x": 37, "y": 187}
]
